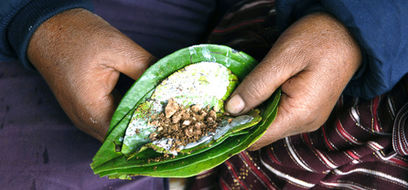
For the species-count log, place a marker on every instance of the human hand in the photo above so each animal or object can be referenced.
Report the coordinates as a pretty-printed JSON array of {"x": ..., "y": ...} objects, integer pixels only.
[
  {"x": 312, "y": 61},
  {"x": 81, "y": 56}
]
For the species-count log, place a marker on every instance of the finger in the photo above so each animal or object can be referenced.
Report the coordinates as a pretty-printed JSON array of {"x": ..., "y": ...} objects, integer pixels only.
[
  {"x": 134, "y": 60},
  {"x": 96, "y": 111},
  {"x": 100, "y": 88},
  {"x": 259, "y": 85},
  {"x": 94, "y": 102},
  {"x": 279, "y": 127},
  {"x": 293, "y": 113},
  {"x": 294, "y": 109},
  {"x": 305, "y": 105}
]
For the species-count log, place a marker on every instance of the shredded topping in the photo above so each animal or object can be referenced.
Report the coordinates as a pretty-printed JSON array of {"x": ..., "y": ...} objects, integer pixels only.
[{"x": 183, "y": 125}]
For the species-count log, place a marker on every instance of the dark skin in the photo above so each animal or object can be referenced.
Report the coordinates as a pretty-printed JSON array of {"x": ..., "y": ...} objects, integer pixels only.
[
  {"x": 81, "y": 56},
  {"x": 312, "y": 61}
]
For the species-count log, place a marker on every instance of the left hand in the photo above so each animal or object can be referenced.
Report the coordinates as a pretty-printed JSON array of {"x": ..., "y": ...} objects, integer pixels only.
[{"x": 312, "y": 61}]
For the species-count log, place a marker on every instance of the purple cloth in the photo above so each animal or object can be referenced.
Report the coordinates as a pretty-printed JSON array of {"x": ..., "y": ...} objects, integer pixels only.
[
  {"x": 39, "y": 146},
  {"x": 163, "y": 26}
]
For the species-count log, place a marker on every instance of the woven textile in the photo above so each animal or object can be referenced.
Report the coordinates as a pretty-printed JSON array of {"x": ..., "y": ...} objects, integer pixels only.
[{"x": 363, "y": 145}]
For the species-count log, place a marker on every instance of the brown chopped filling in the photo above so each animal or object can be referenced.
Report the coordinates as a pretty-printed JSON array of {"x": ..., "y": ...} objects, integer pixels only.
[{"x": 183, "y": 125}]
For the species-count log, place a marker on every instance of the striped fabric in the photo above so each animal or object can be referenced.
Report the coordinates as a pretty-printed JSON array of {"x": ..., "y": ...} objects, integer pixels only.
[{"x": 363, "y": 145}]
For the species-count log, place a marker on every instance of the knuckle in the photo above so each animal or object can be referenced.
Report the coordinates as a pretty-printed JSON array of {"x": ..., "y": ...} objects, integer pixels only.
[
  {"x": 311, "y": 122},
  {"x": 313, "y": 128},
  {"x": 307, "y": 117}
]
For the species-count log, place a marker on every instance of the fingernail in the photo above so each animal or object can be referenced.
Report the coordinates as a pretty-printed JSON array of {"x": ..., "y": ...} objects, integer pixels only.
[{"x": 235, "y": 105}]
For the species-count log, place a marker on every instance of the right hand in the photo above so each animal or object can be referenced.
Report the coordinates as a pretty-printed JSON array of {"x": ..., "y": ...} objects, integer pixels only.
[{"x": 81, "y": 56}]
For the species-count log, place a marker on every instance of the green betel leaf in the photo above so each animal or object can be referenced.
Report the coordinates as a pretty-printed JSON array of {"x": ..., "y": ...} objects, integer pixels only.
[
  {"x": 193, "y": 165},
  {"x": 142, "y": 158},
  {"x": 117, "y": 159}
]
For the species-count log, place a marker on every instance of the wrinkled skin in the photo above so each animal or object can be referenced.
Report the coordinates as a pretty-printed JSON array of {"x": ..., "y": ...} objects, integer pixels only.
[
  {"x": 81, "y": 56},
  {"x": 312, "y": 61}
]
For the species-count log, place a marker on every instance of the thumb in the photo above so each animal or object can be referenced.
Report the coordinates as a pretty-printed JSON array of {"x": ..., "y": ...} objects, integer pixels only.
[
  {"x": 133, "y": 60},
  {"x": 260, "y": 84}
]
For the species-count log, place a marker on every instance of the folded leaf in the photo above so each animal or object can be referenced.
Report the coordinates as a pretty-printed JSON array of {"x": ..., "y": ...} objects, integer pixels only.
[{"x": 110, "y": 161}]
